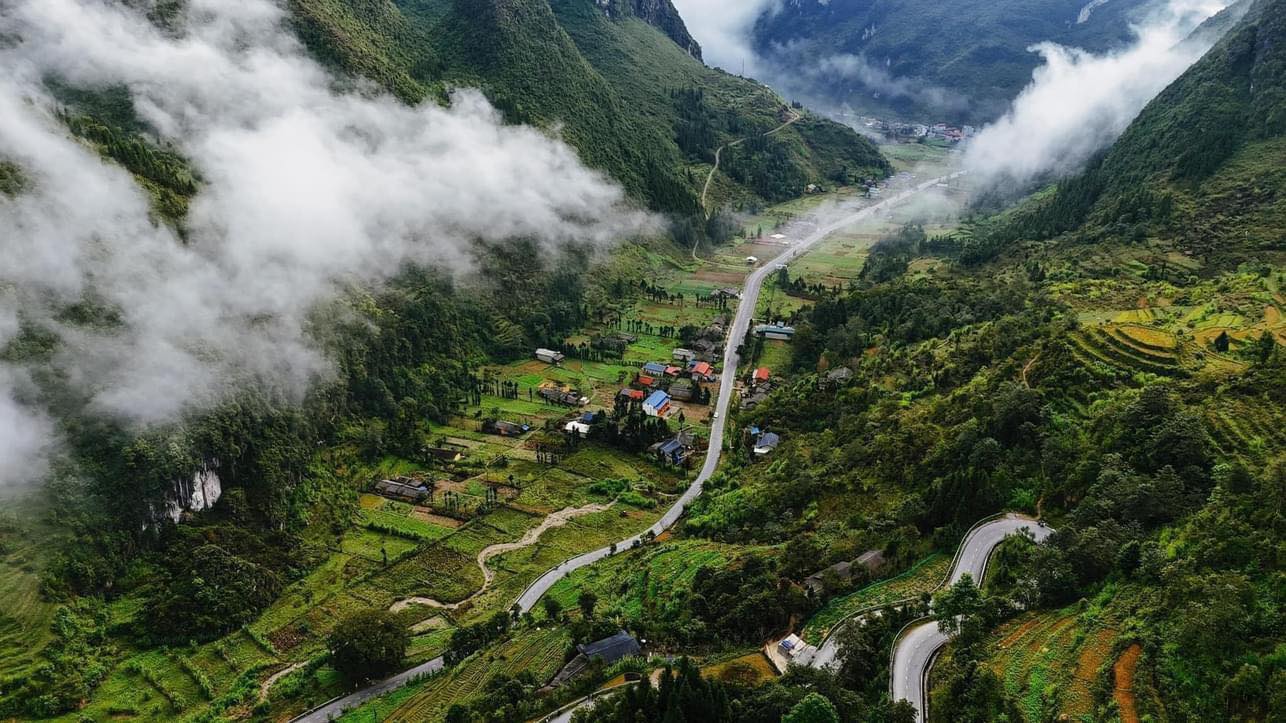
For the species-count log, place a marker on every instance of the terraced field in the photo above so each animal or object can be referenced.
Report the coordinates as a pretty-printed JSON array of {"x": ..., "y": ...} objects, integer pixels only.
[
  {"x": 1238, "y": 428},
  {"x": 540, "y": 651},
  {"x": 24, "y": 616},
  {"x": 1130, "y": 349},
  {"x": 1049, "y": 662},
  {"x": 924, "y": 576},
  {"x": 650, "y": 580}
]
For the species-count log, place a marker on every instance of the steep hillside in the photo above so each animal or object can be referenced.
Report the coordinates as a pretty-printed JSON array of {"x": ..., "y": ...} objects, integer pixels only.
[
  {"x": 963, "y": 60},
  {"x": 1203, "y": 164},
  {"x": 611, "y": 75}
]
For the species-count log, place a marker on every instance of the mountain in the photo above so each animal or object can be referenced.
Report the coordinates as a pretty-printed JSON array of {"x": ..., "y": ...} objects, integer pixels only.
[
  {"x": 962, "y": 61},
  {"x": 618, "y": 77},
  {"x": 1204, "y": 163}
]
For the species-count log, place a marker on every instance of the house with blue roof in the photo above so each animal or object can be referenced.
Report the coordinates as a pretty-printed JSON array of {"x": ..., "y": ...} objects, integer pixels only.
[
  {"x": 654, "y": 369},
  {"x": 658, "y": 404}
]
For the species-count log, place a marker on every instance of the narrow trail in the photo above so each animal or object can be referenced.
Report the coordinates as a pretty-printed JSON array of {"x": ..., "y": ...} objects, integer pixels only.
[
  {"x": 1027, "y": 368},
  {"x": 705, "y": 190},
  {"x": 272, "y": 679},
  {"x": 554, "y": 519}
]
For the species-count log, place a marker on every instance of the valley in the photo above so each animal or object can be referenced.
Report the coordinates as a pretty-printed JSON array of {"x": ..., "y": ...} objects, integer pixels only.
[{"x": 500, "y": 361}]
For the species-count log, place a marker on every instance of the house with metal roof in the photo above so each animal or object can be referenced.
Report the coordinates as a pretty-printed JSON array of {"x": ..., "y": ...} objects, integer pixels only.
[
  {"x": 654, "y": 369},
  {"x": 658, "y": 404},
  {"x": 766, "y": 443}
]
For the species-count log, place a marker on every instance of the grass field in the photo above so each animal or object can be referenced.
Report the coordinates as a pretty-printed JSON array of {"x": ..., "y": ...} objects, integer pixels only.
[{"x": 748, "y": 670}]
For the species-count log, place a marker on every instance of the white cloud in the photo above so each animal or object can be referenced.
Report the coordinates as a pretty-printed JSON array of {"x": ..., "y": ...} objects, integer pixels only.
[
  {"x": 305, "y": 189},
  {"x": 722, "y": 27},
  {"x": 1078, "y": 102}
]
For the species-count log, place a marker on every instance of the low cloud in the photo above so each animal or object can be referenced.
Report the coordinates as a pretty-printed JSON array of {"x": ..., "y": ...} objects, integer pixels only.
[
  {"x": 817, "y": 80},
  {"x": 1078, "y": 103},
  {"x": 304, "y": 190},
  {"x": 722, "y": 27}
]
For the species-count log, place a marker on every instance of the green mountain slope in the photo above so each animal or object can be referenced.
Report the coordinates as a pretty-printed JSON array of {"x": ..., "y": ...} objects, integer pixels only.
[
  {"x": 1204, "y": 163},
  {"x": 961, "y": 60},
  {"x": 608, "y": 75}
]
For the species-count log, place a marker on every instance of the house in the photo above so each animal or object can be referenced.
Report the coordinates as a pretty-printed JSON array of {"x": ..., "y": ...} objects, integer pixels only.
[
  {"x": 760, "y": 375},
  {"x": 658, "y": 404},
  {"x": 702, "y": 372},
  {"x": 647, "y": 381},
  {"x": 706, "y": 349},
  {"x": 580, "y": 429},
  {"x": 726, "y": 293},
  {"x": 684, "y": 355},
  {"x": 503, "y": 428},
  {"x": 838, "y": 375},
  {"x": 766, "y": 443},
  {"x": 781, "y": 332},
  {"x": 872, "y": 561},
  {"x": 636, "y": 395},
  {"x": 609, "y": 650},
  {"x": 549, "y": 356},
  {"x": 673, "y": 371},
  {"x": 682, "y": 390},
  {"x": 565, "y": 397},
  {"x": 790, "y": 645},
  {"x": 675, "y": 450},
  {"x": 404, "y": 489},
  {"x": 654, "y": 369}
]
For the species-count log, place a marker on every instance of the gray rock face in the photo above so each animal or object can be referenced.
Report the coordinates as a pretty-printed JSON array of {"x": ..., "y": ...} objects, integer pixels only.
[
  {"x": 196, "y": 494},
  {"x": 660, "y": 14}
]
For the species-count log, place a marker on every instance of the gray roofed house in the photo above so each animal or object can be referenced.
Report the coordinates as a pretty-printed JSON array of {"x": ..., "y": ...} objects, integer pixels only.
[
  {"x": 609, "y": 650},
  {"x": 839, "y": 375},
  {"x": 403, "y": 488},
  {"x": 871, "y": 561}
]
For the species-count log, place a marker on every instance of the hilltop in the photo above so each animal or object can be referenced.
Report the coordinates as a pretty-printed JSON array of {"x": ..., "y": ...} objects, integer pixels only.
[{"x": 622, "y": 80}]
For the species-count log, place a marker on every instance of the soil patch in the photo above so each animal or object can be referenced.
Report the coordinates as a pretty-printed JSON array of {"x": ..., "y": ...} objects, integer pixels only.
[{"x": 1124, "y": 674}]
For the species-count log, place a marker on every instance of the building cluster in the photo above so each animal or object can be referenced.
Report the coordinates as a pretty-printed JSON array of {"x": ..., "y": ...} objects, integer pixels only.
[
  {"x": 658, "y": 384},
  {"x": 915, "y": 131}
]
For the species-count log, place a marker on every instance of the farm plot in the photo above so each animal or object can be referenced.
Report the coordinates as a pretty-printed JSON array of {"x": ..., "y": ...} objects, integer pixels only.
[
  {"x": 924, "y": 576},
  {"x": 429, "y": 701},
  {"x": 654, "y": 578},
  {"x": 748, "y": 670},
  {"x": 1049, "y": 661}
]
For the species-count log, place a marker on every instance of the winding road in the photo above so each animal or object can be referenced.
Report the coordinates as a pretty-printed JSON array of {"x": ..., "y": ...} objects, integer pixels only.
[
  {"x": 741, "y": 323},
  {"x": 920, "y": 643}
]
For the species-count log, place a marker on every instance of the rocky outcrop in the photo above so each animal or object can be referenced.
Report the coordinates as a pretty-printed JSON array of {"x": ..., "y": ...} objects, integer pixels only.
[
  {"x": 196, "y": 494},
  {"x": 660, "y": 14}
]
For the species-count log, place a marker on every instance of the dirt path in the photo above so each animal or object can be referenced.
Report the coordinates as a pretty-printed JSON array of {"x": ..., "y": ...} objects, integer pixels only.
[
  {"x": 272, "y": 679},
  {"x": 705, "y": 190},
  {"x": 554, "y": 519},
  {"x": 1124, "y": 674},
  {"x": 1027, "y": 367}
]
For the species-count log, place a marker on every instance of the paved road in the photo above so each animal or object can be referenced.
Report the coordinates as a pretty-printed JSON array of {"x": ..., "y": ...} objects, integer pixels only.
[
  {"x": 741, "y": 322},
  {"x": 919, "y": 645}
]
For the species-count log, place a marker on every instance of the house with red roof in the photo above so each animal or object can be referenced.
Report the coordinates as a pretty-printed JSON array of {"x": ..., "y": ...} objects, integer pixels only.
[{"x": 761, "y": 375}]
